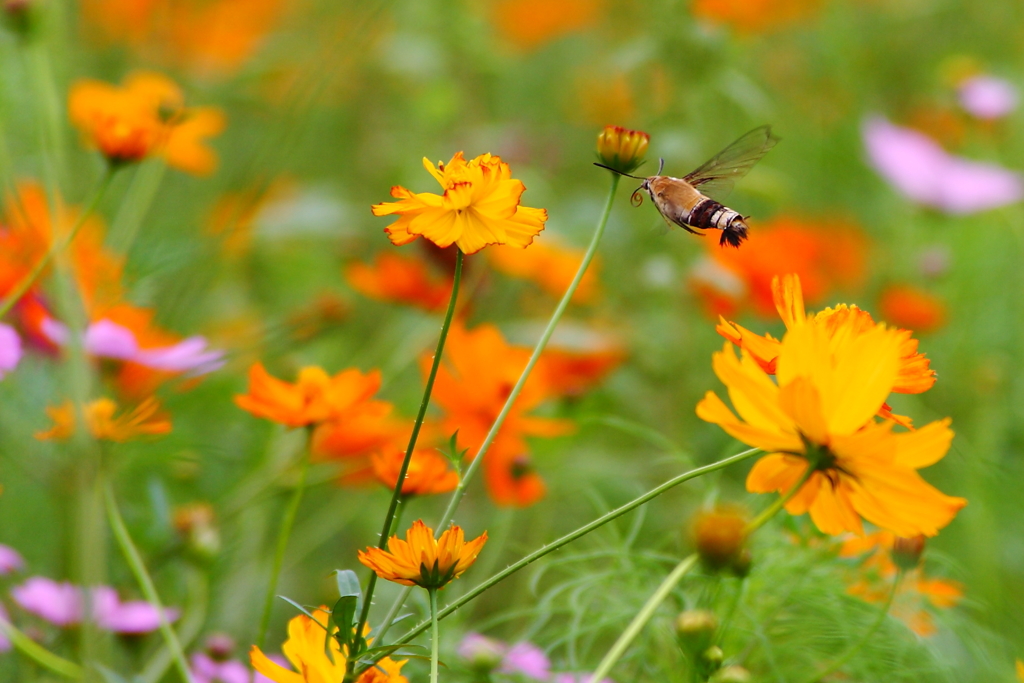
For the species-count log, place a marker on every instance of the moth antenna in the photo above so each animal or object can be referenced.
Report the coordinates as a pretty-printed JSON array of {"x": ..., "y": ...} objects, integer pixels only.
[
  {"x": 661, "y": 165},
  {"x": 638, "y": 197},
  {"x": 636, "y": 177}
]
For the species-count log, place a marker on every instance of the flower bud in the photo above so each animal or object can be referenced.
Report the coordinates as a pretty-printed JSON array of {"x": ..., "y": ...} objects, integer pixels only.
[
  {"x": 219, "y": 647},
  {"x": 695, "y": 629},
  {"x": 731, "y": 674},
  {"x": 906, "y": 552},
  {"x": 197, "y": 526},
  {"x": 712, "y": 657},
  {"x": 720, "y": 535},
  {"x": 21, "y": 16},
  {"x": 621, "y": 148}
]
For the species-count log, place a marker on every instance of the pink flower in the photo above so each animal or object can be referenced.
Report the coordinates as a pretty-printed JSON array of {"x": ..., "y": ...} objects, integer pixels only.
[
  {"x": 10, "y": 349},
  {"x": 134, "y": 617},
  {"x": 206, "y": 669},
  {"x": 58, "y": 603},
  {"x": 187, "y": 355},
  {"x": 62, "y": 604},
  {"x": 987, "y": 97},
  {"x": 527, "y": 659},
  {"x": 10, "y": 560},
  {"x": 925, "y": 173},
  {"x": 481, "y": 652}
]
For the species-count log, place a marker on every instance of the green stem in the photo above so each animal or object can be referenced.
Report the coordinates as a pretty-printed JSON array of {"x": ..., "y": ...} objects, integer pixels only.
[
  {"x": 435, "y": 635},
  {"x": 138, "y": 567},
  {"x": 460, "y": 490},
  {"x": 642, "y": 617},
  {"x": 39, "y": 654},
  {"x": 282, "y": 538},
  {"x": 396, "y": 495},
  {"x": 856, "y": 647},
  {"x": 33, "y": 275},
  {"x": 772, "y": 509},
  {"x": 141, "y": 194},
  {"x": 572, "y": 536}
]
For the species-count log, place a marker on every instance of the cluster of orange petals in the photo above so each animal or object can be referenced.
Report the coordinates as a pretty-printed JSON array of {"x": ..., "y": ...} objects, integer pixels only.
[
  {"x": 428, "y": 473},
  {"x": 529, "y": 24},
  {"x": 915, "y": 591},
  {"x": 400, "y": 279},
  {"x": 479, "y": 207},
  {"x": 831, "y": 382},
  {"x": 914, "y": 374},
  {"x": 211, "y": 37},
  {"x": 825, "y": 256},
  {"x": 422, "y": 560},
  {"x": 145, "y": 117},
  {"x": 105, "y": 424},
  {"x": 315, "y": 397},
  {"x": 755, "y": 16},
  {"x": 317, "y": 657},
  {"x": 552, "y": 267},
  {"x": 912, "y": 307},
  {"x": 473, "y": 382}
]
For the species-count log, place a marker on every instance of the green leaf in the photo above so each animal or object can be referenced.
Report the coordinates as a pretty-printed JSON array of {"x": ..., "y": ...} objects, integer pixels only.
[
  {"x": 343, "y": 616},
  {"x": 303, "y": 610},
  {"x": 348, "y": 583}
]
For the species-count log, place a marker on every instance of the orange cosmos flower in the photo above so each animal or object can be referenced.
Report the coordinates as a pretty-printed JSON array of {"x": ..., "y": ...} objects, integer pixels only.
[
  {"x": 511, "y": 478},
  {"x": 914, "y": 374},
  {"x": 825, "y": 255},
  {"x": 578, "y": 358},
  {"x": 551, "y": 266},
  {"x": 429, "y": 472},
  {"x": 145, "y": 419},
  {"x": 313, "y": 399},
  {"x": 400, "y": 279},
  {"x": 480, "y": 206},
  {"x": 755, "y": 16},
  {"x": 531, "y": 23},
  {"x": 420, "y": 560},
  {"x": 352, "y": 436},
  {"x": 912, "y": 307},
  {"x": 820, "y": 416},
  {"x": 621, "y": 148},
  {"x": 317, "y": 658},
  {"x": 479, "y": 372},
  {"x": 146, "y": 116}
]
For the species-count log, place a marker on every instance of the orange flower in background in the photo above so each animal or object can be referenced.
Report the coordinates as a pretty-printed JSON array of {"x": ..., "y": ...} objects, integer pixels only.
[
  {"x": 352, "y": 436},
  {"x": 211, "y": 37},
  {"x": 531, "y": 23},
  {"x": 755, "y": 16},
  {"x": 820, "y": 415},
  {"x": 429, "y": 472},
  {"x": 422, "y": 560},
  {"x": 916, "y": 592},
  {"x": 479, "y": 372},
  {"x": 551, "y": 266},
  {"x": 400, "y": 279},
  {"x": 145, "y": 117},
  {"x": 144, "y": 419},
  {"x": 314, "y": 398},
  {"x": 825, "y": 256},
  {"x": 512, "y": 480},
  {"x": 578, "y": 358},
  {"x": 317, "y": 658},
  {"x": 912, "y": 307},
  {"x": 914, "y": 374},
  {"x": 480, "y": 206},
  {"x": 603, "y": 97}
]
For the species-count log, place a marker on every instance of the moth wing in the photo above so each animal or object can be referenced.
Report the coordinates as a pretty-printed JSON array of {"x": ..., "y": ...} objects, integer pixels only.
[{"x": 718, "y": 175}]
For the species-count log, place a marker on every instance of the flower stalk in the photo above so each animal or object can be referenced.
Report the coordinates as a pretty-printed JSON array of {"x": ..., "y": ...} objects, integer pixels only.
[
  {"x": 39, "y": 654},
  {"x": 435, "y": 635},
  {"x": 283, "y": 534}
]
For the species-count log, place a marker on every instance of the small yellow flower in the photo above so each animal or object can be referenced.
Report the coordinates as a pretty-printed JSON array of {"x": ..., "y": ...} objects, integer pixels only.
[
  {"x": 307, "y": 649},
  {"x": 420, "y": 560},
  {"x": 145, "y": 419},
  {"x": 480, "y": 206},
  {"x": 621, "y": 148}
]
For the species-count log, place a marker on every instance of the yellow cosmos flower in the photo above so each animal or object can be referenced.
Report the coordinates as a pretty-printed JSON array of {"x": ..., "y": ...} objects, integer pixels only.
[
  {"x": 144, "y": 419},
  {"x": 420, "y": 560},
  {"x": 480, "y": 206},
  {"x": 316, "y": 659},
  {"x": 914, "y": 376},
  {"x": 821, "y": 415}
]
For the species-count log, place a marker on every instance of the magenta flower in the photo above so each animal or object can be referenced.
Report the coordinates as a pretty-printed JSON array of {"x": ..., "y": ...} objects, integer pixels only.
[
  {"x": 987, "y": 97},
  {"x": 10, "y": 560},
  {"x": 481, "y": 652},
  {"x": 925, "y": 173},
  {"x": 62, "y": 604},
  {"x": 526, "y": 659},
  {"x": 10, "y": 349},
  {"x": 58, "y": 603},
  {"x": 107, "y": 339},
  {"x": 206, "y": 669}
]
